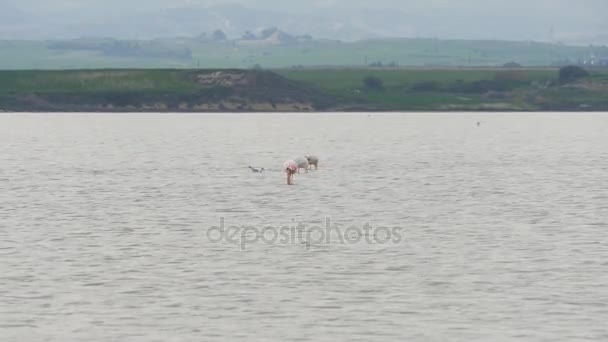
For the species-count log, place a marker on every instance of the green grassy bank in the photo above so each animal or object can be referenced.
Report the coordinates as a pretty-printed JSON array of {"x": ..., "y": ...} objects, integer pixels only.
[{"x": 370, "y": 89}]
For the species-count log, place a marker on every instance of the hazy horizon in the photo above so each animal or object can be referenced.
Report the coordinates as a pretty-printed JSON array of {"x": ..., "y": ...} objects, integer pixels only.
[{"x": 536, "y": 20}]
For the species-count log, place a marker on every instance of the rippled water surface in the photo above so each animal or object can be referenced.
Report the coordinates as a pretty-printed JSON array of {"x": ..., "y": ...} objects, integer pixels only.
[{"x": 497, "y": 232}]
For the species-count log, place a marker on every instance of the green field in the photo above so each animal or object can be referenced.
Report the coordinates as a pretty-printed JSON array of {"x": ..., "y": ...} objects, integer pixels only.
[
  {"x": 334, "y": 89},
  {"x": 431, "y": 89},
  {"x": 192, "y": 53},
  {"x": 94, "y": 81}
]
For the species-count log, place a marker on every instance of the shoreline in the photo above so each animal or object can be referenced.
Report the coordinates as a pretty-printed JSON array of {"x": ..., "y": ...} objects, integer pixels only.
[{"x": 354, "y": 112}]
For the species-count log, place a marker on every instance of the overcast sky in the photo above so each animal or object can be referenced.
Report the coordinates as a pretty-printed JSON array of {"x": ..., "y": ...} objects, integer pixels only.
[
  {"x": 563, "y": 7},
  {"x": 581, "y": 21}
]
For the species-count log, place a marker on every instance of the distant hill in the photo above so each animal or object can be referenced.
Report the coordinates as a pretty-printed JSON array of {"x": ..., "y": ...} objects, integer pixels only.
[
  {"x": 551, "y": 21},
  {"x": 190, "y": 20},
  {"x": 271, "y": 36}
]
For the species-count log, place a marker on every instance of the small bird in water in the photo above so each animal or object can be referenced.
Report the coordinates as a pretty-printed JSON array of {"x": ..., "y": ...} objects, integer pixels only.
[
  {"x": 313, "y": 161},
  {"x": 256, "y": 170}
]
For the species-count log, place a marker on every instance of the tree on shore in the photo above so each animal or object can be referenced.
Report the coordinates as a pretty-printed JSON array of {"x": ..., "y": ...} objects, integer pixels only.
[
  {"x": 571, "y": 73},
  {"x": 373, "y": 83},
  {"x": 219, "y": 36}
]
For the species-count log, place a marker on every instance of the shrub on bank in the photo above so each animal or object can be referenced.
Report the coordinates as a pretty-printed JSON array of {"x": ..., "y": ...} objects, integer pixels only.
[
  {"x": 373, "y": 83},
  {"x": 571, "y": 73}
]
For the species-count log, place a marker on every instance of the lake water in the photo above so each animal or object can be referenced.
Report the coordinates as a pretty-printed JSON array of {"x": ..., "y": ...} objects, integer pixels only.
[{"x": 438, "y": 229}]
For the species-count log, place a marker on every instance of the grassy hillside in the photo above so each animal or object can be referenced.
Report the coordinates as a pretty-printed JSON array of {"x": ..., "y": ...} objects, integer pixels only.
[
  {"x": 431, "y": 89},
  {"x": 155, "y": 90},
  {"x": 371, "y": 89},
  {"x": 459, "y": 89},
  {"x": 195, "y": 53}
]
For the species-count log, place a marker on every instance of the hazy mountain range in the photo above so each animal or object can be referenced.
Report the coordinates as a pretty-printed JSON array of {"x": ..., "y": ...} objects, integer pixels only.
[{"x": 567, "y": 21}]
